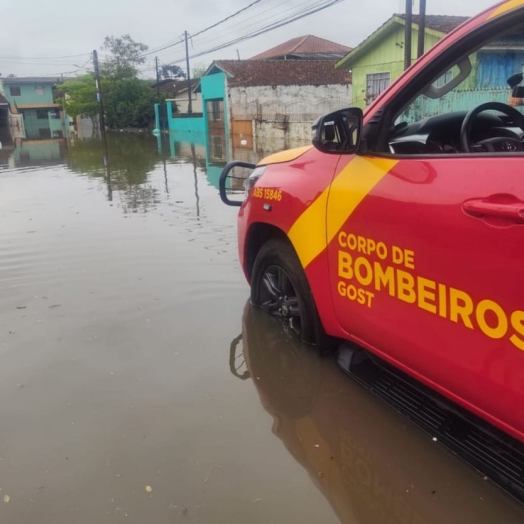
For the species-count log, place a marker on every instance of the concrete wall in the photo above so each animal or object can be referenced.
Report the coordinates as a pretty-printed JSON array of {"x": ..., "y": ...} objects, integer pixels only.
[
  {"x": 284, "y": 114},
  {"x": 299, "y": 103},
  {"x": 296, "y": 134}
]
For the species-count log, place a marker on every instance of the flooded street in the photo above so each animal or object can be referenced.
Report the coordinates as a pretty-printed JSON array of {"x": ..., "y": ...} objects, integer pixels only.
[{"x": 137, "y": 385}]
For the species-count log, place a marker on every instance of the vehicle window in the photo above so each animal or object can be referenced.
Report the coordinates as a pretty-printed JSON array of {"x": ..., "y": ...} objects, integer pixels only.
[{"x": 432, "y": 122}]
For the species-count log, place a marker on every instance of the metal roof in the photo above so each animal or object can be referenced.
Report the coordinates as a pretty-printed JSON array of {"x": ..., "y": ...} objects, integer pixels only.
[{"x": 30, "y": 80}]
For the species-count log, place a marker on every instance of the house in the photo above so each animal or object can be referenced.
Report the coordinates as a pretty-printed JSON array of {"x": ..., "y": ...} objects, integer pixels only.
[
  {"x": 379, "y": 60},
  {"x": 307, "y": 47},
  {"x": 271, "y": 99},
  {"x": 166, "y": 87},
  {"x": 276, "y": 94},
  {"x": 34, "y": 99},
  {"x": 181, "y": 98}
]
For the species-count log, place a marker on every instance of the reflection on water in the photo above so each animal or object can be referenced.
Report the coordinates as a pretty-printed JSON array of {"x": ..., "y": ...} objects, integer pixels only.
[
  {"x": 133, "y": 157},
  {"x": 213, "y": 151},
  {"x": 370, "y": 464}
]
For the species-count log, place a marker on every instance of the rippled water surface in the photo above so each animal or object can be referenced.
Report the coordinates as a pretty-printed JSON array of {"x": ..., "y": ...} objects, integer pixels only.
[{"x": 137, "y": 386}]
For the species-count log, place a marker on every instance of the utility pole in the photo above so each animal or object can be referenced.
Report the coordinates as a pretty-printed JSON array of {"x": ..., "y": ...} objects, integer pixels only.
[
  {"x": 157, "y": 77},
  {"x": 190, "y": 102},
  {"x": 100, "y": 107},
  {"x": 408, "y": 34},
  {"x": 421, "y": 28}
]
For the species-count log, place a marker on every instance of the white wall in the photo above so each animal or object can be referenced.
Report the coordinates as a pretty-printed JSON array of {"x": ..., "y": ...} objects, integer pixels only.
[
  {"x": 294, "y": 135},
  {"x": 299, "y": 103},
  {"x": 284, "y": 114}
]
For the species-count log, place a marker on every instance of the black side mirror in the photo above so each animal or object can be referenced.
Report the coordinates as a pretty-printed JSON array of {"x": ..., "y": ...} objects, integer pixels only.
[
  {"x": 338, "y": 133},
  {"x": 231, "y": 184}
]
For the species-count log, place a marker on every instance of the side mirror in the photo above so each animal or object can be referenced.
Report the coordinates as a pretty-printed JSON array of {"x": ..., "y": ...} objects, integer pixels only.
[
  {"x": 338, "y": 133},
  {"x": 231, "y": 183}
]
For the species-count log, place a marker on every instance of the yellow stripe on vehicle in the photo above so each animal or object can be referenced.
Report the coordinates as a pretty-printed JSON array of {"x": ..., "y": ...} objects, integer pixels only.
[
  {"x": 310, "y": 235},
  {"x": 508, "y": 6},
  {"x": 284, "y": 156}
]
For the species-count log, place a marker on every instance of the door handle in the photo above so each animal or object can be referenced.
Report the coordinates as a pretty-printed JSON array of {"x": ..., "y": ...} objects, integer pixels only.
[{"x": 481, "y": 208}]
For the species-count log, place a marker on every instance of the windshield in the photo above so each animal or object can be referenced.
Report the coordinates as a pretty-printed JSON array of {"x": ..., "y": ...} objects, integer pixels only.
[{"x": 480, "y": 77}]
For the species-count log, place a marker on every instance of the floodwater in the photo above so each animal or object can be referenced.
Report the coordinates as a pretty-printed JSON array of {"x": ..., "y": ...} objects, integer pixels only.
[{"x": 137, "y": 385}]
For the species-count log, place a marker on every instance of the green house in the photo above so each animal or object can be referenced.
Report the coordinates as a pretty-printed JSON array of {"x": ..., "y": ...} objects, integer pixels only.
[
  {"x": 34, "y": 98},
  {"x": 379, "y": 60}
]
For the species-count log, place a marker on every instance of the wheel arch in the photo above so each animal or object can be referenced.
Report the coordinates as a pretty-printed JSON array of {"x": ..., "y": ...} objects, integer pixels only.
[{"x": 259, "y": 233}]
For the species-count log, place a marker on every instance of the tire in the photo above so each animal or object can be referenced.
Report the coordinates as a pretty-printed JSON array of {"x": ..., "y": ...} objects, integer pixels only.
[{"x": 280, "y": 287}]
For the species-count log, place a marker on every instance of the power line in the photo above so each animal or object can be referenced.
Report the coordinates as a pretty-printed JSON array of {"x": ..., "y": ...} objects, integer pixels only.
[
  {"x": 69, "y": 72},
  {"x": 216, "y": 24},
  {"x": 41, "y": 57},
  {"x": 227, "y": 18},
  {"x": 275, "y": 25},
  {"x": 258, "y": 22}
]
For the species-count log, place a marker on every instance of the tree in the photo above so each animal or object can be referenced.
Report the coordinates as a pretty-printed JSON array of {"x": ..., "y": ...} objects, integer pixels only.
[
  {"x": 199, "y": 70},
  {"x": 79, "y": 96},
  {"x": 130, "y": 102},
  {"x": 172, "y": 72},
  {"x": 125, "y": 57}
]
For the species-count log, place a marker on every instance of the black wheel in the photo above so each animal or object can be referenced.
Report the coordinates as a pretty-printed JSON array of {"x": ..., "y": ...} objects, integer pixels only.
[{"x": 279, "y": 286}]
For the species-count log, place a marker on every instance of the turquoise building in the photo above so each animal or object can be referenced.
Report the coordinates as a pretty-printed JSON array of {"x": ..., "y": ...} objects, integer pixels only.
[
  {"x": 34, "y": 98},
  {"x": 214, "y": 100}
]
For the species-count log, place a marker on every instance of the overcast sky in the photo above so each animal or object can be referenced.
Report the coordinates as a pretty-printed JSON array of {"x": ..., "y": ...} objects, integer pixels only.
[{"x": 54, "y": 28}]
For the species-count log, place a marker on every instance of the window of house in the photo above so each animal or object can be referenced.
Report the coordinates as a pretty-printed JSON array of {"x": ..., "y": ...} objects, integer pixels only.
[
  {"x": 217, "y": 147},
  {"x": 14, "y": 90},
  {"x": 39, "y": 90},
  {"x": 44, "y": 133},
  {"x": 42, "y": 114},
  {"x": 54, "y": 113},
  {"x": 376, "y": 83},
  {"x": 215, "y": 110}
]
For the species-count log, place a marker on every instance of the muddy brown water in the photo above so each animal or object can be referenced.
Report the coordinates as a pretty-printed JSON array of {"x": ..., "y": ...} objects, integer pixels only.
[{"x": 137, "y": 385}]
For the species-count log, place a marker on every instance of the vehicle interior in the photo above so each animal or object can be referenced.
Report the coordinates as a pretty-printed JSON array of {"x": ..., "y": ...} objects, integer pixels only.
[{"x": 475, "y": 104}]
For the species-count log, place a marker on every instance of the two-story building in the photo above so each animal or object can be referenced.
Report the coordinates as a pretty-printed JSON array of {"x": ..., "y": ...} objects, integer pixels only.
[{"x": 34, "y": 98}]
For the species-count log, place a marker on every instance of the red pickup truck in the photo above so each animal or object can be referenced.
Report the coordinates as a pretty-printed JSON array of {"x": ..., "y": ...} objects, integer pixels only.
[{"x": 401, "y": 229}]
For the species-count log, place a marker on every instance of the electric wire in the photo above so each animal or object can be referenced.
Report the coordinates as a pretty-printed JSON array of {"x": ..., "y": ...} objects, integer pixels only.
[
  {"x": 216, "y": 24},
  {"x": 270, "y": 27}
]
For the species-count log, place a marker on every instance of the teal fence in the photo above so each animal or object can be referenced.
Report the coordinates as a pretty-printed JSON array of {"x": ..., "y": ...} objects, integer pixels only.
[
  {"x": 178, "y": 122},
  {"x": 424, "y": 107}
]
